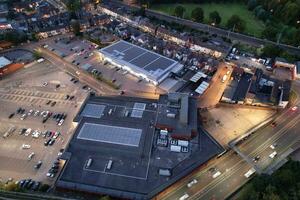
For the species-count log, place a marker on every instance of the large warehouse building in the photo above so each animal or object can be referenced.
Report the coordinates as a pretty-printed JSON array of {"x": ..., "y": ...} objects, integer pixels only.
[
  {"x": 140, "y": 62},
  {"x": 133, "y": 148}
]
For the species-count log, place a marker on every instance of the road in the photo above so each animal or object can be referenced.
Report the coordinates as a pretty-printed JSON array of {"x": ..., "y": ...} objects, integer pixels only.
[
  {"x": 214, "y": 92},
  {"x": 213, "y": 30},
  {"x": 233, "y": 166}
]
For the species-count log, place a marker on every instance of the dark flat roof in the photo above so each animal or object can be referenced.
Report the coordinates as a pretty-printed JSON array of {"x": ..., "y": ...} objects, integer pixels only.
[
  {"x": 243, "y": 87},
  {"x": 135, "y": 169}
]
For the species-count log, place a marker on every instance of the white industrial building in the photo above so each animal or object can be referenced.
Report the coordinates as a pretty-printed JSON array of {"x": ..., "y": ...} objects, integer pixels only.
[{"x": 140, "y": 62}]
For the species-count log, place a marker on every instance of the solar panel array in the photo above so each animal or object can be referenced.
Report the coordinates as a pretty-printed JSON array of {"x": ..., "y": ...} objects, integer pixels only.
[
  {"x": 140, "y": 106},
  {"x": 93, "y": 110},
  {"x": 202, "y": 87},
  {"x": 151, "y": 62},
  {"x": 110, "y": 134},
  {"x": 138, "y": 110},
  {"x": 197, "y": 76}
]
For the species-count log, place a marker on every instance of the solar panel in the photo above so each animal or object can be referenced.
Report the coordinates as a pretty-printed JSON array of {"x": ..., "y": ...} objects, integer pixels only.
[
  {"x": 139, "y": 60},
  {"x": 140, "y": 106},
  {"x": 120, "y": 46},
  {"x": 197, "y": 76},
  {"x": 110, "y": 134},
  {"x": 160, "y": 63},
  {"x": 202, "y": 87},
  {"x": 137, "y": 113},
  {"x": 93, "y": 110},
  {"x": 132, "y": 53},
  {"x": 144, "y": 59}
]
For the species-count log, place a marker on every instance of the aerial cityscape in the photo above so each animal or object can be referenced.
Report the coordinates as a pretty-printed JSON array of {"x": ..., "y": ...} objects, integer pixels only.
[{"x": 150, "y": 99}]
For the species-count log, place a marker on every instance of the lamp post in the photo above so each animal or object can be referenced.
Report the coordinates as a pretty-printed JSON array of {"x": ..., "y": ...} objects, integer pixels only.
[{"x": 232, "y": 31}]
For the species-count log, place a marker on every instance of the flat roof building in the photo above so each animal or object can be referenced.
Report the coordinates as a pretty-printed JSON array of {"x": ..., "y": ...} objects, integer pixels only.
[
  {"x": 130, "y": 157},
  {"x": 139, "y": 61},
  {"x": 4, "y": 62}
]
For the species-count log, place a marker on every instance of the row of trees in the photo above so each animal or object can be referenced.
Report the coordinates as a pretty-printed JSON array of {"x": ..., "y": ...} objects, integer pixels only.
[
  {"x": 234, "y": 23},
  {"x": 285, "y": 11},
  {"x": 282, "y": 185},
  {"x": 187, "y": 1},
  {"x": 14, "y": 36},
  {"x": 282, "y": 19}
]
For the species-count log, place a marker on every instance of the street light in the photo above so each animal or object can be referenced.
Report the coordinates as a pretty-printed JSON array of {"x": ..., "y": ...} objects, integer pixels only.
[{"x": 232, "y": 31}]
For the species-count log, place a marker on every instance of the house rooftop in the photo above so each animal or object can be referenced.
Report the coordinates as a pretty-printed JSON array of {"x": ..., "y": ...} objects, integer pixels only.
[{"x": 4, "y": 62}]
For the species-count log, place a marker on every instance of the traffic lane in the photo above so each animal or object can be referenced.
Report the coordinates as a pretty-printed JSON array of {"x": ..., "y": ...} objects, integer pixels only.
[
  {"x": 268, "y": 135},
  {"x": 267, "y": 132},
  {"x": 230, "y": 181},
  {"x": 213, "y": 93},
  {"x": 283, "y": 144},
  {"x": 203, "y": 176}
]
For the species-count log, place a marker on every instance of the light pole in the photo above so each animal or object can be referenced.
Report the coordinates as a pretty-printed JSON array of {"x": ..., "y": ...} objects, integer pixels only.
[
  {"x": 280, "y": 34},
  {"x": 229, "y": 31}
]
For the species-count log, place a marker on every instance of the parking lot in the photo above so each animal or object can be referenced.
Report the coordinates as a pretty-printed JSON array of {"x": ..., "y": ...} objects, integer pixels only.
[
  {"x": 83, "y": 54},
  {"x": 40, "y": 104},
  {"x": 226, "y": 123}
]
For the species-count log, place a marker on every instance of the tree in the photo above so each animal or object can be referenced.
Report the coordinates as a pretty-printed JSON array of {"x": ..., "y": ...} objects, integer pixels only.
[
  {"x": 262, "y": 14},
  {"x": 271, "y": 51},
  {"x": 76, "y": 27},
  {"x": 179, "y": 11},
  {"x": 251, "y": 4},
  {"x": 73, "y": 5},
  {"x": 270, "y": 33},
  {"x": 44, "y": 188},
  {"x": 106, "y": 197},
  {"x": 290, "y": 12},
  {"x": 15, "y": 37},
  {"x": 197, "y": 14},
  {"x": 37, "y": 55},
  {"x": 214, "y": 17},
  {"x": 236, "y": 23}
]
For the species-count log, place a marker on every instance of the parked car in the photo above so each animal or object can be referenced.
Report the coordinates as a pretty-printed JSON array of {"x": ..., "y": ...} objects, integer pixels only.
[
  {"x": 38, "y": 164},
  {"x": 31, "y": 155},
  {"x": 11, "y": 115},
  {"x": 51, "y": 142},
  {"x": 46, "y": 143},
  {"x": 26, "y": 146},
  {"x": 23, "y": 116},
  {"x": 28, "y": 131}
]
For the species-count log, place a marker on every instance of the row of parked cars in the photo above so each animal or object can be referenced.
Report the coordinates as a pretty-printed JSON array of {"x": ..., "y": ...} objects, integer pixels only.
[
  {"x": 54, "y": 169},
  {"x": 46, "y": 114},
  {"x": 29, "y": 184}
]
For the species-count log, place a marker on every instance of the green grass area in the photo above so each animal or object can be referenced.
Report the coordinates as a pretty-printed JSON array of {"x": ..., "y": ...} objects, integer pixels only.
[{"x": 226, "y": 10}]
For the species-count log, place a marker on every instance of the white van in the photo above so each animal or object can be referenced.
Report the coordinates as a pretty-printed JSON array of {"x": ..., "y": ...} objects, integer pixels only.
[
  {"x": 215, "y": 175},
  {"x": 40, "y": 60},
  {"x": 109, "y": 164},
  {"x": 89, "y": 162},
  {"x": 183, "y": 197},
  {"x": 250, "y": 173},
  {"x": 272, "y": 155}
]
